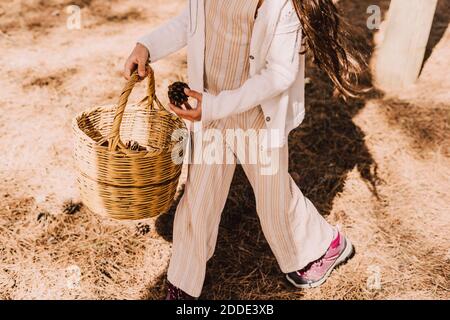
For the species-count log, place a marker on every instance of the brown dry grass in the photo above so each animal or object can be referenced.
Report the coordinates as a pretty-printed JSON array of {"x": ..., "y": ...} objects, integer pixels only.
[
  {"x": 39, "y": 17},
  {"x": 378, "y": 166}
]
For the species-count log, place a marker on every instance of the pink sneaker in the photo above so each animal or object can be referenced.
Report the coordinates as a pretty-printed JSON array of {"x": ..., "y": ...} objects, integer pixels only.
[
  {"x": 174, "y": 293},
  {"x": 317, "y": 272}
]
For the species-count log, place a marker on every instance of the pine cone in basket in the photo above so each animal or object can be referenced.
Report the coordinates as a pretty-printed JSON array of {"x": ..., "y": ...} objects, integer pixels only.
[
  {"x": 176, "y": 93},
  {"x": 134, "y": 146}
]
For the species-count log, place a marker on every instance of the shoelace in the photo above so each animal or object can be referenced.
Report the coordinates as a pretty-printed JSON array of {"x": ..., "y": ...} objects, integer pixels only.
[{"x": 311, "y": 266}]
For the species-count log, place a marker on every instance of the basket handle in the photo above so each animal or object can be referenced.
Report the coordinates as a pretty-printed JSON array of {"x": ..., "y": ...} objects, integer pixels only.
[{"x": 114, "y": 137}]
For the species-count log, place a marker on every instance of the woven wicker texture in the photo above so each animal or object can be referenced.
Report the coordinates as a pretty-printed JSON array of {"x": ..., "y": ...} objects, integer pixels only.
[{"x": 120, "y": 182}]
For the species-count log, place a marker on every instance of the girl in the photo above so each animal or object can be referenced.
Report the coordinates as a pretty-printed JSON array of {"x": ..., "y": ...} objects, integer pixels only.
[{"x": 246, "y": 73}]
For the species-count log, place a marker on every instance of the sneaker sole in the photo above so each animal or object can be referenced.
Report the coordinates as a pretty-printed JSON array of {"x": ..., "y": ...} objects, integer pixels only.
[{"x": 347, "y": 254}]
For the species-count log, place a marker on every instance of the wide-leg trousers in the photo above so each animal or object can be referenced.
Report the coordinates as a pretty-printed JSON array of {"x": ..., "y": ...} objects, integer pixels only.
[{"x": 294, "y": 229}]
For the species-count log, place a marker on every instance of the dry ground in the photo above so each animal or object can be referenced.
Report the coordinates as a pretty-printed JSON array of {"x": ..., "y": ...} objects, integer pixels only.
[{"x": 379, "y": 167}]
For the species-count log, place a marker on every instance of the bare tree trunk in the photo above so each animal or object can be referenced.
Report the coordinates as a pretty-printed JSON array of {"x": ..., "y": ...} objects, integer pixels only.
[{"x": 400, "y": 56}]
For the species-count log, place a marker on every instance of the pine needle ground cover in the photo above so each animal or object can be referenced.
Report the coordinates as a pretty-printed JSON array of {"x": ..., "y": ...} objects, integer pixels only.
[{"x": 379, "y": 168}]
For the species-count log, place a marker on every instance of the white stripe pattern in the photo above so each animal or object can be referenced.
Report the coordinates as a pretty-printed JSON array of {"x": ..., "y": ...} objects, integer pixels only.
[{"x": 295, "y": 231}]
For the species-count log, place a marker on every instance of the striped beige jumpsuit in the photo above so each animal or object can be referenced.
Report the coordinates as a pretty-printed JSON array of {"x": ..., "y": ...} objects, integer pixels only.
[{"x": 295, "y": 231}]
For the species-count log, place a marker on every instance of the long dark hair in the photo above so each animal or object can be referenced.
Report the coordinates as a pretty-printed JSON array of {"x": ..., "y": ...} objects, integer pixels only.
[{"x": 329, "y": 40}]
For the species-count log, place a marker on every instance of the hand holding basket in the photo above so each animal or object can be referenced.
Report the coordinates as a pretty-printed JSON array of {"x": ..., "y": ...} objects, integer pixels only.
[{"x": 124, "y": 183}]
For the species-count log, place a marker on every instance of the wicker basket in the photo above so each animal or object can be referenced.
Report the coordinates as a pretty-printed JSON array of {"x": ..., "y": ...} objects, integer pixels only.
[{"x": 119, "y": 182}]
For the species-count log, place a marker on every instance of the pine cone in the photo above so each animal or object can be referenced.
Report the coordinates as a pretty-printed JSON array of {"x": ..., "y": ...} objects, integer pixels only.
[
  {"x": 176, "y": 93},
  {"x": 134, "y": 146}
]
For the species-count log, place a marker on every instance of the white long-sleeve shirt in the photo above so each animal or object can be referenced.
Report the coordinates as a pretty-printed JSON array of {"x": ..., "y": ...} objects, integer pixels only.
[{"x": 277, "y": 68}]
